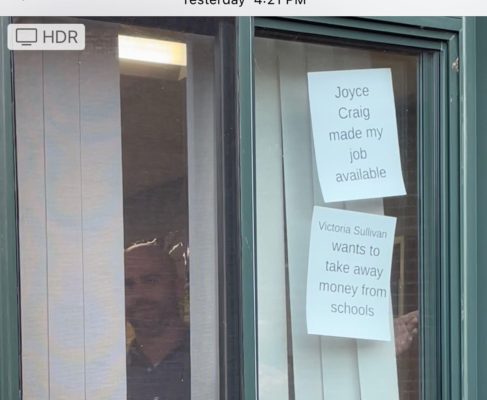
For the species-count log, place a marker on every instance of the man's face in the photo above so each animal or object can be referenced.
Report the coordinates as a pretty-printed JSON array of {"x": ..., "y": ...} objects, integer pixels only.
[{"x": 152, "y": 290}]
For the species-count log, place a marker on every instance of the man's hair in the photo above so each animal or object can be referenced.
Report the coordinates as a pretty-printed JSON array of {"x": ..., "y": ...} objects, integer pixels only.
[
  {"x": 171, "y": 246},
  {"x": 142, "y": 244},
  {"x": 160, "y": 250}
]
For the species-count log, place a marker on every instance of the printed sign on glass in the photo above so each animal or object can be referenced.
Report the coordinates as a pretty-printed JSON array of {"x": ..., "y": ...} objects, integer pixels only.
[
  {"x": 355, "y": 134},
  {"x": 349, "y": 269}
]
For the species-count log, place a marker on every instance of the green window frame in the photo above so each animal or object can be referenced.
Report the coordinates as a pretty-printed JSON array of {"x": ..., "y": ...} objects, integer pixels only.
[
  {"x": 452, "y": 38},
  {"x": 9, "y": 306},
  {"x": 452, "y": 301}
]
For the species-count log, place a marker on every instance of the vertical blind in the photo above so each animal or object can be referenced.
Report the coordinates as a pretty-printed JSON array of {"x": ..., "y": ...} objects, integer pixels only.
[{"x": 71, "y": 221}]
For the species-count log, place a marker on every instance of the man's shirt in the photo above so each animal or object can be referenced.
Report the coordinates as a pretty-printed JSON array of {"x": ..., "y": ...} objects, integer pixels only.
[{"x": 168, "y": 380}]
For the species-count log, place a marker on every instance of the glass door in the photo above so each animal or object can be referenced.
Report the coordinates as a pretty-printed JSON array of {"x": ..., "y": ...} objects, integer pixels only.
[
  {"x": 118, "y": 174},
  {"x": 339, "y": 127}
]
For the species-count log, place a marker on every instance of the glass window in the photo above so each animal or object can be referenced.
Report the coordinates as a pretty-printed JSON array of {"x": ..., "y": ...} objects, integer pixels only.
[
  {"x": 118, "y": 177},
  {"x": 292, "y": 363},
  {"x": 155, "y": 176}
]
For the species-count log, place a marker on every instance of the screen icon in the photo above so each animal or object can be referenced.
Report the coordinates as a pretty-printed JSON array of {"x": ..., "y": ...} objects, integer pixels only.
[
  {"x": 26, "y": 36},
  {"x": 46, "y": 37}
]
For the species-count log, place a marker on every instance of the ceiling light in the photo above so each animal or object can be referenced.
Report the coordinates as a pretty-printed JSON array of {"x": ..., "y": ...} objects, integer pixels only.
[{"x": 151, "y": 50}]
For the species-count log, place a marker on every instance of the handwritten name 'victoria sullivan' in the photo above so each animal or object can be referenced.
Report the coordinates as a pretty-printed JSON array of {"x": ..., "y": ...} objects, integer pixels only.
[{"x": 356, "y": 230}]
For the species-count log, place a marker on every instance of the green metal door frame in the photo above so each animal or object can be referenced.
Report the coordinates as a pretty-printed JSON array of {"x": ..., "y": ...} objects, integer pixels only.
[
  {"x": 453, "y": 152},
  {"x": 480, "y": 83},
  {"x": 9, "y": 308}
]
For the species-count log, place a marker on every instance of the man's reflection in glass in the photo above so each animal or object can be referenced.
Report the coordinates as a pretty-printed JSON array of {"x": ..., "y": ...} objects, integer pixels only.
[{"x": 158, "y": 364}]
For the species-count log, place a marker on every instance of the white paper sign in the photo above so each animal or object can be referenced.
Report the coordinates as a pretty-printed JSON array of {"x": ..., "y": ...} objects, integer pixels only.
[
  {"x": 355, "y": 134},
  {"x": 349, "y": 269}
]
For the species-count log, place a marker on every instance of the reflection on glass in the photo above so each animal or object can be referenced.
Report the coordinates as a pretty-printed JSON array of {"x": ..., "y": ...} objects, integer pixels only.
[
  {"x": 105, "y": 277},
  {"x": 157, "y": 335},
  {"x": 293, "y": 364},
  {"x": 154, "y": 137}
]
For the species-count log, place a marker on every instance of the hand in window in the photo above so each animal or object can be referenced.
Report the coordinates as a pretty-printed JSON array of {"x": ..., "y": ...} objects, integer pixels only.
[{"x": 405, "y": 330}]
